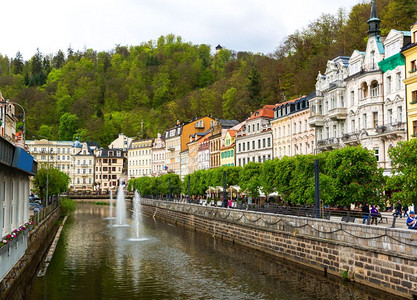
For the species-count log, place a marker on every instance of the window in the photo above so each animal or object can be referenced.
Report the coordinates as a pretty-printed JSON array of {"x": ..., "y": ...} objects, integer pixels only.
[
  {"x": 389, "y": 116},
  {"x": 269, "y": 142},
  {"x": 352, "y": 125},
  {"x": 375, "y": 119},
  {"x": 398, "y": 77},
  {"x": 374, "y": 89},
  {"x": 376, "y": 153},
  {"x": 413, "y": 66},
  {"x": 365, "y": 121},
  {"x": 248, "y": 145},
  {"x": 414, "y": 97},
  {"x": 399, "y": 114},
  {"x": 364, "y": 89},
  {"x": 259, "y": 144},
  {"x": 263, "y": 143},
  {"x": 389, "y": 84},
  {"x": 253, "y": 145},
  {"x": 414, "y": 128},
  {"x": 240, "y": 149},
  {"x": 257, "y": 126},
  {"x": 372, "y": 60}
]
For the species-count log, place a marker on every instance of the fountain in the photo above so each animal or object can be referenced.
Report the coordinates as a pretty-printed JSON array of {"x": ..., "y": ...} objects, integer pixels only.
[
  {"x": 110, "y": 217},
  {"x": 136, "y": 215},
  {"x": 120, "y": 208}
]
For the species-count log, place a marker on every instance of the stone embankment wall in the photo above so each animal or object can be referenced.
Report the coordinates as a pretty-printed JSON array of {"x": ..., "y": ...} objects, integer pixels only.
[
  {"x": 383, "y": 258},
  {"x": 16, "y": 285}
]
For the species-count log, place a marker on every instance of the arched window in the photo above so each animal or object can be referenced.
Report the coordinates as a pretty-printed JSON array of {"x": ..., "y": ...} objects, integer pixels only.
[
  {"x": 374, "y": 88},
  {"x": 364, "y": 88}
]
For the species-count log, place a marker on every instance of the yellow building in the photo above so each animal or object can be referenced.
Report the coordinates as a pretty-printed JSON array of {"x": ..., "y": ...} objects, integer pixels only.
[
  {"x": 410, "y": 53},
  {"x": 227, "y": 152}
]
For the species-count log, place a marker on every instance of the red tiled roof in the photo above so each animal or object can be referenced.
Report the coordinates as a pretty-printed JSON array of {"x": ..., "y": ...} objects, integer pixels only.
[
  {"x": 232, "y": 132},
  {"x": 267, "y": 111}
]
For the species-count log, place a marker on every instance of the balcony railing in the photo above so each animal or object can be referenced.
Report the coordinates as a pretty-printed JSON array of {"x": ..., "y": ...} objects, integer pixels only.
[
  {"x": 316, "y": 120},
  {"x": 330, "y": 142},
  {"x": 338, "y": 113}
]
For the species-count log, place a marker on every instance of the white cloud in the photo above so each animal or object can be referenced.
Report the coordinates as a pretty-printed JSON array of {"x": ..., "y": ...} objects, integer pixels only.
[{"x": 247, "y": 25}]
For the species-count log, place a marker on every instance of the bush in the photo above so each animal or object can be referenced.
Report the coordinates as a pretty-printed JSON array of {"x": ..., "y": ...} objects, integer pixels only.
[{"x": 68, "y": 205}]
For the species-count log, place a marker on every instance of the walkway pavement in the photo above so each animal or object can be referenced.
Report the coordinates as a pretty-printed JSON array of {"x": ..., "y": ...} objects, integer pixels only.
[{"x": 387, "y": 221}]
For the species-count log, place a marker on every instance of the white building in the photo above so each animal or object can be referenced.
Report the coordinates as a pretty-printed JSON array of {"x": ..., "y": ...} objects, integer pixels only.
[
  {"x": 204, "y": 153},
  {"x": 59, "y": 153},
  {"x": 158, "y": 156},
  {"x": 173, "y": 149},
  {"x": 83, "y": 164},
  {"x": 254, "y": 140},
  {"x": 121, "y": 142},
  {"x": 139, "y": 158},
  {"x": 328, "y": 109},
  {"x": 16, "y": 166},
  {"x": 376, "y": 102}
]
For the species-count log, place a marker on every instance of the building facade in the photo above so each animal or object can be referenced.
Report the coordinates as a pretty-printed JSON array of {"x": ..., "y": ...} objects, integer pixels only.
[
  {"x": 410, "y": 53},
  {"x": 83, "y": 166},
  {"x": 109, "y": 169},
  {"x": 53, "y": 153},
  {"x": 204, "y": 153},
  {"x": 16, "y": 166},
  {"x": 139, "y": 158},
  {"x": 218, "y": 132},
  {"x": 158, "y": 156},
  {"x": 292, "y": 133},
  {"x": 227, "y": 151},
  {"x": 328, "y": 109},
  {"x": 173, "y": 149},
  {"x": 254, "y": 140}
]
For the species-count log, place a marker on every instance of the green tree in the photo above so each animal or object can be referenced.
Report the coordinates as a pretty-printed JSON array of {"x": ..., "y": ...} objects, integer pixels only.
[
  {"x": 355, "y": 175},
  {"x": 404, "y": 167},
  {"x": 68, "y": 126},
  {"x": 57, "y": 181},
  {"x": 249, "y": 179}
]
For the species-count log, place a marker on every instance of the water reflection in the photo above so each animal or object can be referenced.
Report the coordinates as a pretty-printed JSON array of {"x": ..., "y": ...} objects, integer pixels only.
[{"x": 93, "y": 261}]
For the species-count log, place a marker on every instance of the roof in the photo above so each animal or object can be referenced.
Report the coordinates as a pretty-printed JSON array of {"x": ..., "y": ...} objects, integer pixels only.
[
  {"x": 226, "y": 124},
  {"x": 232, "y": 132},
  {"x": 267, "y": 112},
  {"x": 379, "y": 44},
  {"x": 105, "y": 152}
]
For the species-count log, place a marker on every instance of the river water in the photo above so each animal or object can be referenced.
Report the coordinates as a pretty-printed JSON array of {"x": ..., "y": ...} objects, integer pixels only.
[{"x": 95, "y": 261}]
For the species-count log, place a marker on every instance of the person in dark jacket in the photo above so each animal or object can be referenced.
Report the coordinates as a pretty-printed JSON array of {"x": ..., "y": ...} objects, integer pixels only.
[
  {"x": 365, "y": 213},
  {"x": 374, "y": 215},
  {"x": 398, "y": 210}
]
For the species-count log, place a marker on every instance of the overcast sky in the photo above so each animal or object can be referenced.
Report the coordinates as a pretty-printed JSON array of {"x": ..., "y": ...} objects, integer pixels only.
[{"x": 241, "y": 25}]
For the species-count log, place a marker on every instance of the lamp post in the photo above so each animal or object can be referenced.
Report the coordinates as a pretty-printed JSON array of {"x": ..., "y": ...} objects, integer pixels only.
[{"x": 24, "y": 114}]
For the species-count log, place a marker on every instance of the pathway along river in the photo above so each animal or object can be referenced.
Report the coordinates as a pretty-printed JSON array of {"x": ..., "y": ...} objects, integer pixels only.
[{"x": 94, "y": 261}]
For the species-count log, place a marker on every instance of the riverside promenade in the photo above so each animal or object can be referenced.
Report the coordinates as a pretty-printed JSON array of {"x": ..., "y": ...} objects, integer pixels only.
[{"x": 375, "y": 255}]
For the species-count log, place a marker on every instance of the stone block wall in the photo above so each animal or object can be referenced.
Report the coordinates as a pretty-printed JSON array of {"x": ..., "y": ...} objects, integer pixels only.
[{"x": 383, "y": 258}]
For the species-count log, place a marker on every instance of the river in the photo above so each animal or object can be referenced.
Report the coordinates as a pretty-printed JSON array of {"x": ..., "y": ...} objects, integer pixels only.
[{"x": 95, "y": 261}]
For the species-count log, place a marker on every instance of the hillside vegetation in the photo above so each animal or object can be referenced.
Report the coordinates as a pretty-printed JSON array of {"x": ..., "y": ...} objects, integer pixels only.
[{"x": 96, "y": 95}]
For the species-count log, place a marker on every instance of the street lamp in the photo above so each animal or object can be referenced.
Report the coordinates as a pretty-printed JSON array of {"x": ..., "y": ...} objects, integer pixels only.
[{"x": 24, "y": 114}]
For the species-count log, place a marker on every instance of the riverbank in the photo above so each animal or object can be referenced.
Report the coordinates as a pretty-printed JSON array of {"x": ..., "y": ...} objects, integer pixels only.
[{"x": 379, "y": 257}]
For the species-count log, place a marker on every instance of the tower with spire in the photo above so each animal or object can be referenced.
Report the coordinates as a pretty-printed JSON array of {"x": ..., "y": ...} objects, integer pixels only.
[{"x": 373, "y": 22}]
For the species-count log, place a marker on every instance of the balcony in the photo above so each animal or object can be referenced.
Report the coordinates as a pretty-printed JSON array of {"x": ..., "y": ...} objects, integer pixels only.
[
  {"x": 84, "y": 165},
  {"x": 391, "y": 131},
  {"x": 330, "y": 143},
  {"x": 338, "y": 113},
  {"x": 316, "y": 120}
]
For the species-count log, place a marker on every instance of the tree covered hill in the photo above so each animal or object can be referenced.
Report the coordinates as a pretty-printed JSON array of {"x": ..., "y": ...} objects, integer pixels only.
[{"x": 96, "y": 95}]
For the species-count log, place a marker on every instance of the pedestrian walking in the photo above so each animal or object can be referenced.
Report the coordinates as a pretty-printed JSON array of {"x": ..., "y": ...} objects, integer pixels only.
[
  {"x": 411, "y": 221},
  {"x": 398, "y": 210},
  {"x": 374, "y": 215},
  {"x": 405, "y": 209},
  {"x": 365, "y": 213}
]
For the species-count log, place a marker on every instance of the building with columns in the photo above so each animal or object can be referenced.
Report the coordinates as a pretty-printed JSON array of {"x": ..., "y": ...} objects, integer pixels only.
[{"x": 328, "y": 109}]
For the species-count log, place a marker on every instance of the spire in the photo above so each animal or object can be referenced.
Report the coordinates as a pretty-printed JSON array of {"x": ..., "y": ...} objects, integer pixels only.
[{"x": 373, "y": 22}]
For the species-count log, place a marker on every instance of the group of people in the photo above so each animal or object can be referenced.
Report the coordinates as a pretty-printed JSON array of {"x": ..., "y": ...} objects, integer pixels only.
[{"x": 373, "y": 213}]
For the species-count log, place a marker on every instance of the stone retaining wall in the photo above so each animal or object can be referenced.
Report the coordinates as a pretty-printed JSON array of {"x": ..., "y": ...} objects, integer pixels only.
[
  {"x": 383, "y": 258},
  {"x": 17, "y": 284}
]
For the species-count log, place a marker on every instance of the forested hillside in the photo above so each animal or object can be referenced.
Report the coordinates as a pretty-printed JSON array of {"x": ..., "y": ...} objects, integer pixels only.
[{"x": 96, "y": 95}]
